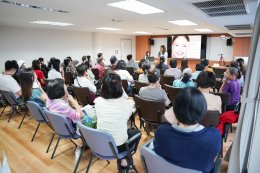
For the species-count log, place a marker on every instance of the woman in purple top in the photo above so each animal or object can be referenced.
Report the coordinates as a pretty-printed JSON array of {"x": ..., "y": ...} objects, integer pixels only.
[{"x": 232, "y": 86}]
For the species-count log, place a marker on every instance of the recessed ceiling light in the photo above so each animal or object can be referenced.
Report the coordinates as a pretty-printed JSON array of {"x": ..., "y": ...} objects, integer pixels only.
[
  {"x": 182, "y": 22},
  {"x": 136, "y": 6},
  {"x": 142, "y": 32},
  {"x": 203, "y": 30},
  {"x": 51, "y": 23},
  {"x": 109, "y": 29}
]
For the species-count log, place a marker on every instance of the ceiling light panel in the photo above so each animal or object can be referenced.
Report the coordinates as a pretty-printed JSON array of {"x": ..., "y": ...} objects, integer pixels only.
[
  {"x": 51, "y": 23},
  {"x": 33, "y": 6},
  {"x": 182, "y": 22},
  {"x": 142, "y": 32},
  {"x": 109, "y": 29},
  {"x": 136, "y": 6},
  {"x": 203, "y": 30}
]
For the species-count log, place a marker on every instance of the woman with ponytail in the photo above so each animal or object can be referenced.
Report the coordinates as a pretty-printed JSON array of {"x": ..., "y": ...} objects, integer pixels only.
[
  {"x": 143, "y": 77},
  {"x": 185, "y": 81}
]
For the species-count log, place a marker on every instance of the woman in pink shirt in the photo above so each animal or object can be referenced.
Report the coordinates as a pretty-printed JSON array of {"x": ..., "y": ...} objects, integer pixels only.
[{"x": 62, "y": 103}]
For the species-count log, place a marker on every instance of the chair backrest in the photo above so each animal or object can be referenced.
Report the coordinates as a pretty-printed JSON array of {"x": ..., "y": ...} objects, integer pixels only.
[
  {"x": 82, "y": 94},
  {"x": 61, "y": 125},
  {"x": 136, "y": 75},
  {"x": 9, "y": 97},
  {"x": 153, "y": 163},
  {"x": 131, "y": 70},
  {"x": 36, "y": 111},
  {"x": 211, "y": 119},
  {"x": 69, "y": 79},
  {"x": 125, "y": 85},
  {"x": 100, "y": 142},
  {"x": 148, "y": 110},
  {"x": 95, "y": 72},
  {"x": 225, "y": 99},
  {"x": 166, "y": 80},
  {"x": 172, "y": 92},
  {"x": 139, "y": 85}
]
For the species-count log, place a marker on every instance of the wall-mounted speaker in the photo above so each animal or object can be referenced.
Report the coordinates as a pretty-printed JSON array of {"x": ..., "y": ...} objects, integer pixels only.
[
  {"x": 229, "y": 42},
  {"x": 151, "y": 41}
]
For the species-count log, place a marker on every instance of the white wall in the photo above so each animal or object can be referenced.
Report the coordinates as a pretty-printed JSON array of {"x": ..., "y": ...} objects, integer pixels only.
[
  {"x": 155, "y": 49},
  {"x": 28, "y": 44},
  {"x": 216, "y": 46}
]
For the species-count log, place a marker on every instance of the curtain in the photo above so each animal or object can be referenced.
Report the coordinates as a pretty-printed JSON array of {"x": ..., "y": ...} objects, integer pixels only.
[{"x": 245, "y": 154}]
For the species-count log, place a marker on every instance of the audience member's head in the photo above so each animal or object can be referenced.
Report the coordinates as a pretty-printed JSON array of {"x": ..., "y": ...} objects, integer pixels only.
[
  {"x": 84, "y": 58},
  {"x": 173, "y": 63},
  {"x": 199, "y": 67},
  {"x": 113, "y": 60},
  {"x": 50, "y": 62},
  {"x": 121, "y": 65},
  {"x": 129, "y": 57},
  {"x": 11, "y": 66},
  {"x": 56, "y": 64},
  {"x": 140, "y": 64},
  {"x": 205, "y": 62},
  {"x": 186, "y": 75},
  {"x": 68, "y": 57},
  {"x": 27, "y": 78},
  {"x": 82, "y": 70},
  {"x": 233, "y": 73},
  {"x": 21, "y": 64},
  {"x": 146, "y": 67},
  {"x": 66, "y": 62},
  {"x": 206, "y": 80},
  {"x": 99, "y": 55},
  {"x": 184, "y": 64},
  {"x": 36, "y": 65},
  {"x": 56, "y": 89},
  {"x": 190, "y": 106},
  {"x": 162, "y": 59},
  {"x": 234, "y": 64},
  {"x": 153, "y": 76},
  {"x": 111, "y": 86}
]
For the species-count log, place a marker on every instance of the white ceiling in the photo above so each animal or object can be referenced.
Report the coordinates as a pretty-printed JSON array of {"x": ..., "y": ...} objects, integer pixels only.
[{"x": 86, "y": 15}]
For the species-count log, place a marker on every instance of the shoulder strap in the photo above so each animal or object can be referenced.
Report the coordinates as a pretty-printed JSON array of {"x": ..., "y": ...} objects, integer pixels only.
[{"x": 78, "y": 81}]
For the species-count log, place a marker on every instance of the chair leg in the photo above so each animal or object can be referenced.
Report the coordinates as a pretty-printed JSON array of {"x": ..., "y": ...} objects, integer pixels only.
[
  {"x": 50, "y": 142},
  {"x": 80, "y": 155},
  {"x": 108, "y": 162},
  {"x": 73, "y": 142},
  {"x": 56, "y": 146},
  {"x": 3, "y": 111},
  {"x": 89, "y": 163},
  {"x": 36, "y": 131},
  {"x": 22, "y": 120},
  {"x": 120, "y": 170},
  {"x": 11, "y": 115}
]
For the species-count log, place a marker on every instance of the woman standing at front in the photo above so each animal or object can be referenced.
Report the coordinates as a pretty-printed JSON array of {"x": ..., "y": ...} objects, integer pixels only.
[{"x": 163, "y": 53}]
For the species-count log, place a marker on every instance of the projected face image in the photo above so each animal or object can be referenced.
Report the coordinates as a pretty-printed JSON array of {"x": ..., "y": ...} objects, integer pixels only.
[{"x": 180, "y": 47}]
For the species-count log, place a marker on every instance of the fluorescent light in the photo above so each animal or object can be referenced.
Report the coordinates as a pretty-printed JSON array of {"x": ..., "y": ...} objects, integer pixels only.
[
  {"x": 141, "y": 32},
  {"x": 109, "y": 29},
  {"x": 136, "y": 6},
  {"x": 203, "y": 30},
  {"x": 51, "y": 23},
  {"x": 182, "y": 22}
]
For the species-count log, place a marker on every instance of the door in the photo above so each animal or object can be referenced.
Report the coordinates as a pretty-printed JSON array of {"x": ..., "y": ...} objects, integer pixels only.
[{"x": 126, "y": 48}]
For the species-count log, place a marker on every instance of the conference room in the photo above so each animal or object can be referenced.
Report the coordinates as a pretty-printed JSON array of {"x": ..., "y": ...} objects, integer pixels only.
[{"x": 142, "y": 86}]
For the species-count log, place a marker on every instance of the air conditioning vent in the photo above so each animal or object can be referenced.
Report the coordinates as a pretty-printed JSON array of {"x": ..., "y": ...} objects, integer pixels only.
[
  {"x": 218, "y": 8},
  {"x": 238, "y": 27},
  {"x": 165, "y": 29},
  {"x": 243, "y": 34}
]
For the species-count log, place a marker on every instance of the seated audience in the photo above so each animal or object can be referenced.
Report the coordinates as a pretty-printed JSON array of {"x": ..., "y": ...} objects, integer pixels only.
[
  {"x": 100, "y": 65},
  {"x": 31, "y": 90},
  {"x": 84, "y": 59},
  {"x": 131, "y": 62},
  {"x": 140, "y": 66},
  {"x": 55, "y": 73},
  {"x": 206, "y": 81},
  {"x": 82, "y": 79},
  {"x": 188, "y": 144},
  {"x": 21, "y": 67},
  {"x": 122, "y": 72},
  {"x": 199, "y": 68},
  {"x": 44, "y": 68},
  {"x": 60, "y": 102},
  {"x": 162, "y": 65},
  {"x": 8, "y": 83},
  {"x": 113, "y": 111},
  {"x": 154, "y": 90},
  {"x": 184, "y": 64},
  {"x": 36, "y": 65},
  {"x": 143, "y": 77},
  {"x": 205, "y": 63},
  {"x": 232, "y": 86},
  {"x": 173, "y": 71},
  {"x": 69, "y": 66},
  {"x": 113, "y": 61},
  {"x": 185, "y": 81}
]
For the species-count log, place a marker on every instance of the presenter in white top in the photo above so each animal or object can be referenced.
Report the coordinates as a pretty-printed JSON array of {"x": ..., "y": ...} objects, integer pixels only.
[{"x": 163, "y": 53}]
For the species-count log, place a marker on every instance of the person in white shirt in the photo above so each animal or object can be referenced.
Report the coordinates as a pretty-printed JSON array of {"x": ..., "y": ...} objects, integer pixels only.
[
  {"x": 163, "y": 53},
  {"x": 173, "y": 71},
  {"x": 113, "y": 112},
  {"x": 82, "y": 79},
  {"x": 7, "y": 82},
  {"x": 122, "y": 72},
  {"x": 55, "y": 73}
]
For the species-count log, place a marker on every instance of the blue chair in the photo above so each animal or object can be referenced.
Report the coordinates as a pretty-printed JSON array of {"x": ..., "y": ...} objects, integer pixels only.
[
  {"x": 38, "y": 114},
  {"x": 153, "y": 163},
  {"x": 12, "y": 101},
  {"x": 103, "y": 146},
  {"x": 64, "y": 129}
]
